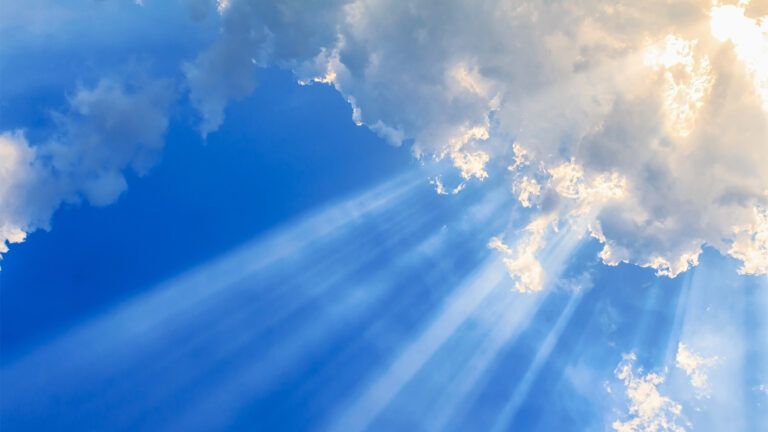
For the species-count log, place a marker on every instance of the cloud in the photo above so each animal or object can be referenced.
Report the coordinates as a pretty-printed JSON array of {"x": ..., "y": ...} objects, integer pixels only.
[
  {"x": 527, "y": 190},
  {"x": 441, "y": 189},
  {"x": 106, "y": 129},
  {"x": 750, "y": 244},
  {"x": 286, "y": 33},
  {"x": 695, "y": 367},
  {"x": 653, "y": 95},
  {"x": 649, "y": 410},
  {"x": 573, "y": 199},
  {"x": 16, "y": 171},
  {"x": 522, "y": 262}
]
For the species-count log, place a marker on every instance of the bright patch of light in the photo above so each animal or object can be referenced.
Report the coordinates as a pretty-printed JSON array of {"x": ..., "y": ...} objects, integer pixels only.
[
  {"x": 688, "y": 80},
  {"x": 750, "y": 41},
  {"x": 222, "y": 5}
]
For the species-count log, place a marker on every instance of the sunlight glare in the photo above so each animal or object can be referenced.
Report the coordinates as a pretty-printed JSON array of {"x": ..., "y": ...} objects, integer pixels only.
[{"x": 749, "y": 37}]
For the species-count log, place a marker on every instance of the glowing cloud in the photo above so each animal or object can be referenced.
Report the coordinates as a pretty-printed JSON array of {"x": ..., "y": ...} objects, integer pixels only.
[
  {"x": 649, "y": 410},
  {"x": 522, "y": 262},
  {"x": 695, "y": 367},
  {"x": 687, "y": 82},
  {"x": 750, "y": 41}
]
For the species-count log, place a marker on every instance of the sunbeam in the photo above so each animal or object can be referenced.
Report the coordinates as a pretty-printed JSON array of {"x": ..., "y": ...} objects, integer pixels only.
[
  {"x": 384, "y": 215},
  {"x": 724, "y": 364},
  {"x": 441, "y": 346},
  {"x": 457, "y": 309},
  {"x": 263, "y": 336},
  {"x": 119, "y": 343},
  {"x": 522, "y": 388},
  {"x": 355, "y": 302}
]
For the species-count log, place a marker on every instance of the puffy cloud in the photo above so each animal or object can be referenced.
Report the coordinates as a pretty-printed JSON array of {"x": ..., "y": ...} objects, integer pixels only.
[
  {"x": 287, "y": 33},
  {"x": 649, "y": 410},
  {"x": 16, "y": 171},
  {"x": 106, "y": 129},
  {"x": 695, "y": 367},
  {"x": 751, "y": 244},
  {"x": 663, "y": 101}
]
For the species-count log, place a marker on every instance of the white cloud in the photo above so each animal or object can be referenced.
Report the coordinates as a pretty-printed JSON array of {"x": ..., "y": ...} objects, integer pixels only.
[
  {"x": 657, "y": 95},
  {"x": 498, "y": 244},
  {"x": 16, "y": 171},
  {"x": 649, "y": 409},
  {"x": 107, "y": 128},
  {"x": 471, "y": 164},
  {"x": 751, "y": 244},
  {"x": 527, "y": 190},
  {"x": 522, "y": 262},
  {"x": 695, "y": 366},
  {"x": 440, "y": 188},
  {"x": 572, "y": 198}
]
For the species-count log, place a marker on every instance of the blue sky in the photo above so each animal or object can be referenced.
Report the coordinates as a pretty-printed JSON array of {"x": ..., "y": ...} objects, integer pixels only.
[{"x": 380, "y": 216}]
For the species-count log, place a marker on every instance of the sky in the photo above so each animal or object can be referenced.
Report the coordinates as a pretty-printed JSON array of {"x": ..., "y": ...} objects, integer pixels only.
[{"x": 384, "y": 215}]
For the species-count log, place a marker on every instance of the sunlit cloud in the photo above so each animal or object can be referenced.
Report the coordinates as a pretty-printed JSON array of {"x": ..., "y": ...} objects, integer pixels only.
[
  {"x": 653, "y": 102},
  {"x": 695, "y": 367},
  {"x": 688, "y": 81},
  {"x": 649, "y": 409},
  {"x": 749, "y": 37}
]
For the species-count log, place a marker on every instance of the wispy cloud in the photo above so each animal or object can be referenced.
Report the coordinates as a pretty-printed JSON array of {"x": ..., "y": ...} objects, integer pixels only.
[{"x": 695, "y": 366}]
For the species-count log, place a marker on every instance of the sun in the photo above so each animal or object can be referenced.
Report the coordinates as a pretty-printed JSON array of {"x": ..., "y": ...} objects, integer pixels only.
[
  {"x": 686, "y": 70},
  {"x": 749, "y": 36}
]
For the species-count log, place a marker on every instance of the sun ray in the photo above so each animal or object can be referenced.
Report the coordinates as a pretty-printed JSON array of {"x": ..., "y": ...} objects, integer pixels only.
[
  {"x": 186, "y": 311},
  {"x": 519, "y": 310},
  {"x": 143, "y": 326},
  {"x": 457, "y": 309},
  {"x": 712, "y": 329}
]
